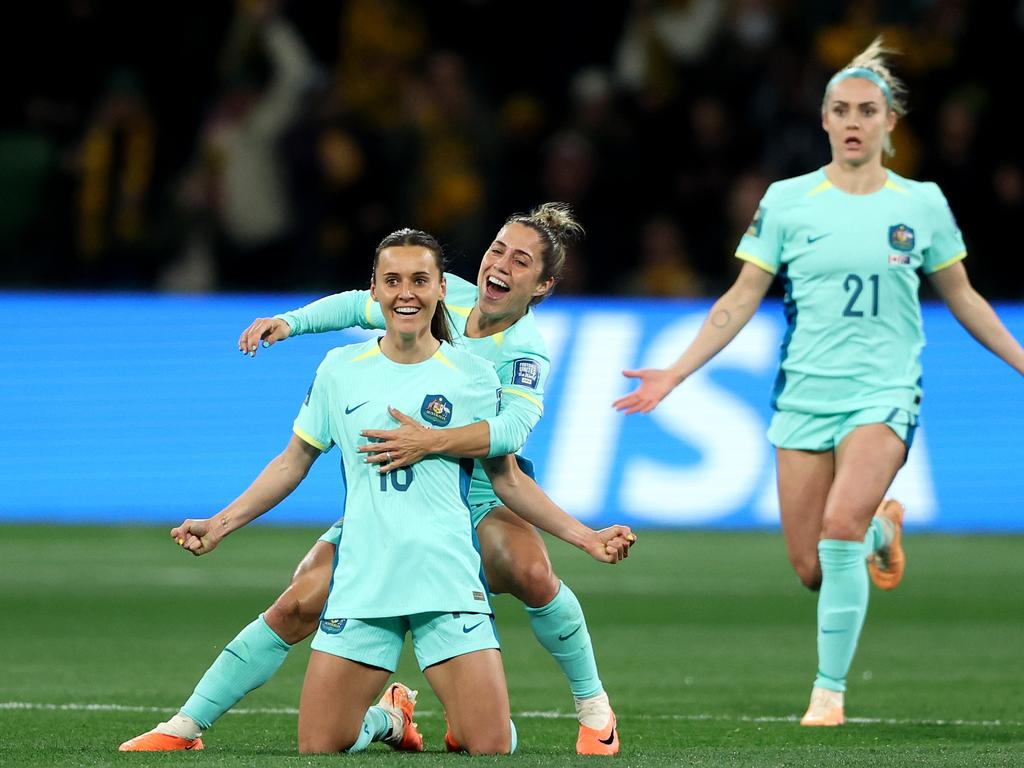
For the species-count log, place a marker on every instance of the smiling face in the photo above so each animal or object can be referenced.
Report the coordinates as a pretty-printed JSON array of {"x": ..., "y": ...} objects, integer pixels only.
[
  {"x": 408, "y": 283},
  {"x": 511, "y": 272},
  {"x": 858, "y": 121}
]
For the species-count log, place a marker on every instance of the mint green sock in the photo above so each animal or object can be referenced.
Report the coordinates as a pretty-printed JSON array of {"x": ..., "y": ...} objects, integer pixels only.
[
  {"x": 246, "y": 663},
  {"x": 561, "y": 628},
  {"x": 842, "y": 605},
  {"x": 515, "y": 738},
  {"x": 875, "y": 538},
  {"x": 376, "y": 725}
]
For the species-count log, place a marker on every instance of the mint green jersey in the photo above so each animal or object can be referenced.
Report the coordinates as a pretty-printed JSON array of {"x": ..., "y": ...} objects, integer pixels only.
[
  {"x": 849, "y": 265},
  {"x": 518, "y": 354},
  {"x": 407, "y": 544}
]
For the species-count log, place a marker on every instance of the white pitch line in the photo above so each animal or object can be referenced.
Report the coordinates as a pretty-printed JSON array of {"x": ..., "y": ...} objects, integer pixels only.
[{"x": 527, "y": 715}]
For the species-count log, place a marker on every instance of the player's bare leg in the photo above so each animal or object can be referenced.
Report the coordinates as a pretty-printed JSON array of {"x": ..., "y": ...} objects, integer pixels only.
[
  {"x": 336, "y": 695},
  {"x": 516, "y": 561},
  {"x": 249, "y": 660},
  {"x": 474, "y": 695},
  {"x": 296, "y": 612},
  {"x": 804, "y": 479},
  {"x": 866, "y": 464}
]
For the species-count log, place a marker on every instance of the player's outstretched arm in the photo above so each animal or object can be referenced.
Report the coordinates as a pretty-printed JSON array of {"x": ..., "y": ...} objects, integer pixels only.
[
  {"x": 350, "y": 309},
  {"x": 976, "y": 315},
  {"x": 724, "y": 320},
  {"x": 522, "y": 495},
  {"x": 277, "y": 480}
]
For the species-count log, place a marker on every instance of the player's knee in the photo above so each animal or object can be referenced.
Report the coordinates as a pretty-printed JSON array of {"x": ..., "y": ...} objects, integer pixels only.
[
  {"x": 808, "y": 570},
  {"x": 292, "y": 620},
  {"x": 322, "y": 744},
  {"x": 496, "y": 743},
  {"x": 534, "y": 582}
]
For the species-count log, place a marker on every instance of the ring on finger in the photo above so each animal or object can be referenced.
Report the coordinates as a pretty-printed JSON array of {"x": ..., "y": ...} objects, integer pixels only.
[{"x": 388, "y": 455}]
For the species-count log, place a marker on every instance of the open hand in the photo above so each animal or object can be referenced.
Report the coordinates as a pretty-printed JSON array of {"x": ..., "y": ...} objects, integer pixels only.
[
  {"x": 399, "y": 447},
  {"x": 655, "y": 383}
]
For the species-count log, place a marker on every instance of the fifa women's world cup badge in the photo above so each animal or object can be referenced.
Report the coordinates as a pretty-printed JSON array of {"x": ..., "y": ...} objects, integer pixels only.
[
  {"x": 901, "y": 237},
  {"x": 437, "y": 410}
]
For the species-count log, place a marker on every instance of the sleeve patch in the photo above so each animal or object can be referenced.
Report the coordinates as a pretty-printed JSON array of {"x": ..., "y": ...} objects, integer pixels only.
[
  {"x": 309, "y": 391},
  {"x": 497, "y": 407},
  {"x": 754, "y": 230},
  {"x": 526, "y": 372}
]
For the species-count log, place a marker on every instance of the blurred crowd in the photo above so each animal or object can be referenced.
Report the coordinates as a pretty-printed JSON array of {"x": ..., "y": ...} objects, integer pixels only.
[{"x": 262, "y": 145}]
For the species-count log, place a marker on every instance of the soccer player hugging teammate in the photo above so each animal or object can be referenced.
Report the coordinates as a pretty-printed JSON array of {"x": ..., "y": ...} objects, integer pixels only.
[
  {"x": 363, "y": 624},
  {"x": 847, "y": 241}
]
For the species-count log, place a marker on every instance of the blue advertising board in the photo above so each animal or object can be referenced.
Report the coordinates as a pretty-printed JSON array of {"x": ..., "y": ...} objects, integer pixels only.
[{"x": 139, "y": 408}]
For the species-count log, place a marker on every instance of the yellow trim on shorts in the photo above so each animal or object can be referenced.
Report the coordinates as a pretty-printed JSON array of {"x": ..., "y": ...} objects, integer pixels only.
[
  {"x": 305, "y": 436},
  {"x": 949, "y": 262},
  {"x": 744, "y": 256}
]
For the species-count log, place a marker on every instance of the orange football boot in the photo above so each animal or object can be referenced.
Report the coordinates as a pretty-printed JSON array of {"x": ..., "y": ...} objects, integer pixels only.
[
  {"x": 400, "y": 700},
  {"x": 826, "y": 708},
  {"x": 886, "y": 566},
  {"x": 599, "y": 742},
  {"x": 151, "y": 741}
]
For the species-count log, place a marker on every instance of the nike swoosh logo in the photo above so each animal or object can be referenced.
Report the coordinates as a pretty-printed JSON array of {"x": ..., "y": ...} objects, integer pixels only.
[
  {"x": 610, "y": 739},
  {"x": 566, "y": 637},
  {"x": 355, "y": 408},
  {"x": 467, "y": 630},
  {"x": 816, "y": 239}
]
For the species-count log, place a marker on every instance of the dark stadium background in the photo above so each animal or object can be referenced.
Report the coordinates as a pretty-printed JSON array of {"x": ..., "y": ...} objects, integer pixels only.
[{"x": 660, "y": 121}]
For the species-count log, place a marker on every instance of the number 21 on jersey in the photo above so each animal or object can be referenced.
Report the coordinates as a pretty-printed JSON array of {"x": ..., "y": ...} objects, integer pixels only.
[{"x": 854, "y": 286}]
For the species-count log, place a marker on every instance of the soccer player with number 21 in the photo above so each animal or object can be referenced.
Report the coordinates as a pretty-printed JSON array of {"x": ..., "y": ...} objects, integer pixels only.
[{"x": 847, "y": 241}]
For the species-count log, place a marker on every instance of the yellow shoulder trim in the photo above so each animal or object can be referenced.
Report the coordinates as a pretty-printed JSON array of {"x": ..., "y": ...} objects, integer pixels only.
[
  {"x": 520, "y": 393},
  {"x": 826, "y": 184},
  {"x": 309, "y": 439},
  {"x": 367, "y": 310},
  {"x": 499, "y": 338},
  {"x": 368, "y": 353},
  {"x": 441, "y": 358},
  {"x": 461, "y": 311},
  {"x": 948, "y": 262},
  {"x": 755, "y": 261},
  {"x": 889, "y": 184}
]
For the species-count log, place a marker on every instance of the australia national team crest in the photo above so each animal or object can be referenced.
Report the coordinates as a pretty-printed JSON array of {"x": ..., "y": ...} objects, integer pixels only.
[
  {"x": 437, "y": 410},
  {"x": 333, "y": 626},
  {"x": 901, "y": 237}
]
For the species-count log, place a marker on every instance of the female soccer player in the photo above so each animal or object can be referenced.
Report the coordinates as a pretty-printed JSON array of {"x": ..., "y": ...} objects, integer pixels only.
[
  {"x": 847, "y": 241},
  {"x": 407, "y": 561},
  {"x": 519, "y": 268}
]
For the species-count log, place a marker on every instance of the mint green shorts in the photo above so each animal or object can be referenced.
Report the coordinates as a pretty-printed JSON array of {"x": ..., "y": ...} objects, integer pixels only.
[
  {"x": 436, "y": 637},
  {"x": 813, "y": 432}
]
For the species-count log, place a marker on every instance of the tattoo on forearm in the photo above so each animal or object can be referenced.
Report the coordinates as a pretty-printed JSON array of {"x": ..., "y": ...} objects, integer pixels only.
[{"x": 721, "y": 318}]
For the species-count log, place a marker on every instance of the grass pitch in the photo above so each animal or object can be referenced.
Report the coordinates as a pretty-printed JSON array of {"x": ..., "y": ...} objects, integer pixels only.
[{"x": 705, "y": 643}]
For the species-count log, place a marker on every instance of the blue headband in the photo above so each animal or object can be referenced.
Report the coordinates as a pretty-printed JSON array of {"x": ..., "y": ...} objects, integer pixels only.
[{"x": 865, "y": 74}]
